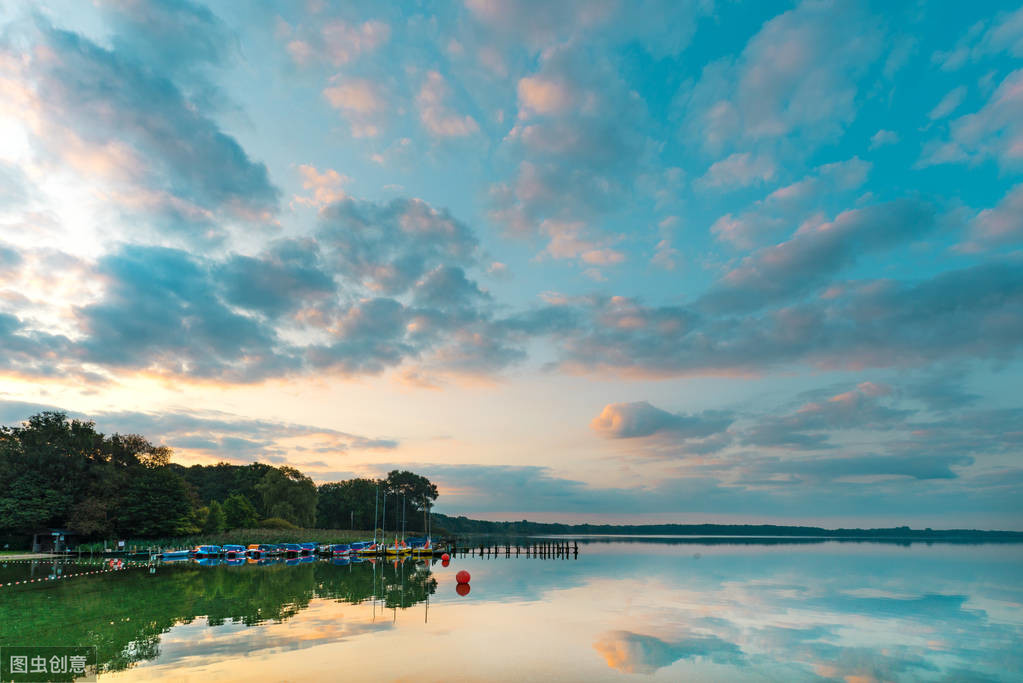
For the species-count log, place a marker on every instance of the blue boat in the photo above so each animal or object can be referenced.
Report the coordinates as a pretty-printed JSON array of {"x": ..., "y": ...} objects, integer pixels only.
[
  {"x": 175, "y": 555},
  {"x": 340, "y": 550},
  {"x": 291, "y": 549},
  {"x": 234, "y": 552},
  {"x": 308, "y": 548},
  {"x": 207, "y": 551}
]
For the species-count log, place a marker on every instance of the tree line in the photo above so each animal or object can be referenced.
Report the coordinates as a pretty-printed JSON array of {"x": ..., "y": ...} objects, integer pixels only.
[{"x": 57, "y": 472}]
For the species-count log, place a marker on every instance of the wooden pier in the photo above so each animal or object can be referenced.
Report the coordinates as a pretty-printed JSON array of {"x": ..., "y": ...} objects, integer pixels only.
[{"x": 543, "y": 550}]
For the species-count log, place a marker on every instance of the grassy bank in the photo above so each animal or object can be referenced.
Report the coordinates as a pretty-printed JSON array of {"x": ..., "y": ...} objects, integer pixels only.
[{"x": 239, "y": 537}]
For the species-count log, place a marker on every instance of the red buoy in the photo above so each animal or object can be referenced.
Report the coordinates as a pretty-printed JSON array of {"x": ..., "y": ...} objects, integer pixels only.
[
  {"x": 462, "y": 589},
  {"x": 462, "y": 577},
  {"x": 445, "y": 557}
]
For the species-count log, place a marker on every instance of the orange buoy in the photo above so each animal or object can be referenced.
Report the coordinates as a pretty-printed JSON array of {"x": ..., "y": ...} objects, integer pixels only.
[
  {"x": 462, "y": 589},
  {"x": 462, "y": 577}
]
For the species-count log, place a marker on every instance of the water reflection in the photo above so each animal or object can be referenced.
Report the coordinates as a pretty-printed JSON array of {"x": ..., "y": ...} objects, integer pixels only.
[
  {"x": 651, "y": 610},
  {"x": 124, "y": 613}
]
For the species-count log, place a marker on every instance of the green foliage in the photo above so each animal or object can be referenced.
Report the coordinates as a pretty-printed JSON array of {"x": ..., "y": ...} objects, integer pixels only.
[
  {"x": 288, "y": 494},
  {"x": 156, "y": 503},
  {"x": 347, "y": 504},
  {"x": 276, "y": 523},
  {"x": 239, "y": 512},
  {"x": 215, "y": 521}
]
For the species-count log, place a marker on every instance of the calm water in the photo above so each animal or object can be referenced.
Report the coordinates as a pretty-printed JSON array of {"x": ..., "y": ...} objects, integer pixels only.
[{"x": 649, "y": 610}]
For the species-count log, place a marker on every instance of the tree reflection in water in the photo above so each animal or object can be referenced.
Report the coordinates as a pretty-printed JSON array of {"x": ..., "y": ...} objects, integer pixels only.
[{"x": 124, "y": 613}]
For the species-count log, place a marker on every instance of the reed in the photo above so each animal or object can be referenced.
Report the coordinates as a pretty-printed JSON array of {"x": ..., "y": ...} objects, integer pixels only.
[{"x": 236, "y": 537}]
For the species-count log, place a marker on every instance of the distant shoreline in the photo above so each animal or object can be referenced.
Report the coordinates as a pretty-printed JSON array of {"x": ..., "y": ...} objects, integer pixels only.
[{"x": 464, "y": 525}]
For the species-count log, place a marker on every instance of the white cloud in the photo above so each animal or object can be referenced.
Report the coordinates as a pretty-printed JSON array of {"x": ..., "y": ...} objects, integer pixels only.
[
  {"x": 993, "y": 132},
  {"x": 949, "y": 103},
  {"x": 738, "y": 170},
  {"x": 799, "y": 75},
  {"x": 439, "y": 119},
  {"x": 360, "y": 101},
  {"x": 1002, "y": 224}
]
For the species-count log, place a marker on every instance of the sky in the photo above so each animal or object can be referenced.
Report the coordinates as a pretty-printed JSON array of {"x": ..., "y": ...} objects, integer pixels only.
[{"x": 594, "y": 260}]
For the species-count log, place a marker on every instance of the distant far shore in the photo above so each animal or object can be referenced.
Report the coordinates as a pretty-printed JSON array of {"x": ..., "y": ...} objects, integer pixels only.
[{"x": 464, "y": 525}]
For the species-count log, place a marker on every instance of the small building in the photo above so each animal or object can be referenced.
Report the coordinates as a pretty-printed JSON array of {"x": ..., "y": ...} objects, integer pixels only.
[{"x": 51, "y": 540}]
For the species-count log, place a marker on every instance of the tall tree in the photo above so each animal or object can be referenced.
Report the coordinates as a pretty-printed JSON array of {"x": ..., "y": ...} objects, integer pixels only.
[
  {"x": 215, "y": 521},
  {"x": 290, "y": 495},
  {"x": 412, "y": 490},
  {"x": 239, "y": 512},
  {"x": 342, "y": 504}
]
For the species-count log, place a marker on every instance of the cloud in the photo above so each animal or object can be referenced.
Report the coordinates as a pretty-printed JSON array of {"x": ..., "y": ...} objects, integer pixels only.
[
  {"x": 388, "y": 247},
  {"x": 1000, "y": 225},
  {"x": 580, "y": 142},
  {"x": 288, "y": 275},
  {"x": 662, "y": 27},
  {"x": 798, "y": 76},
  {"x": 640, "y": 419},
  {"x": 788, "y": 205},
  {"x": 362, "y": 102},
  {"x": 436, "y": 116},
  {"x": 811, "y": 426},
  {"x": 816, "y": 252},
  {"x": 633, "y": 653},
  {"x": 994, "y": 131},
  {"x": 1002, "y": 33},
  {"x": 883, "y": 138},
  {"x": 111, "y": 119},
  {"x": 973, "y": 313},
  {"x": 337, "y": 42},
  {"x": 213, "y": 434},
  {"x": 161, "y": 314},
  {"x": 175, "y": 37},
  {"x": 949, "y": 103},
  {"x": 738, "y": 170},
  {"x": 326, "y": 187}
]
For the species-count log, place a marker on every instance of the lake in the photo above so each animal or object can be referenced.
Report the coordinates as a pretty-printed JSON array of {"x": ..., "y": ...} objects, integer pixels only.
[{"x": 645, "y": 609}]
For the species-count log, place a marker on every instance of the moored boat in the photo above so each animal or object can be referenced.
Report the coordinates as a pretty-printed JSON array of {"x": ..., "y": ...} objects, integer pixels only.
[
  {"x": 398, "y": 548},
  {"x": 207, "y": 551},
  {"x": 308, "y": 548},
  {"x": 175, "y": 555},
  {"x": 234, "y": 552},
  {"x": 291, "y": 549}
]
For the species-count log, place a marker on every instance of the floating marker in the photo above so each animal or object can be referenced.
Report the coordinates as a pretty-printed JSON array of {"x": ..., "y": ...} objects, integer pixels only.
[{"x": 462, "y": 577}]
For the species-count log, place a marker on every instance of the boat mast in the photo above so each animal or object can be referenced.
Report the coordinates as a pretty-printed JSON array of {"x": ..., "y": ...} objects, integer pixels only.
[{"x": 376, "y": 504}]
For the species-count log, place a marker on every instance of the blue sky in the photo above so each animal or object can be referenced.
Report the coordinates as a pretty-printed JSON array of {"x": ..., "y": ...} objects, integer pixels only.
[{"x": 598, "y": 260}]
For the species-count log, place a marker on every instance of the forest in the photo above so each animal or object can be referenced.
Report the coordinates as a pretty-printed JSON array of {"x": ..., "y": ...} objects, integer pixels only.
[{"x": 57, "y": 472}]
